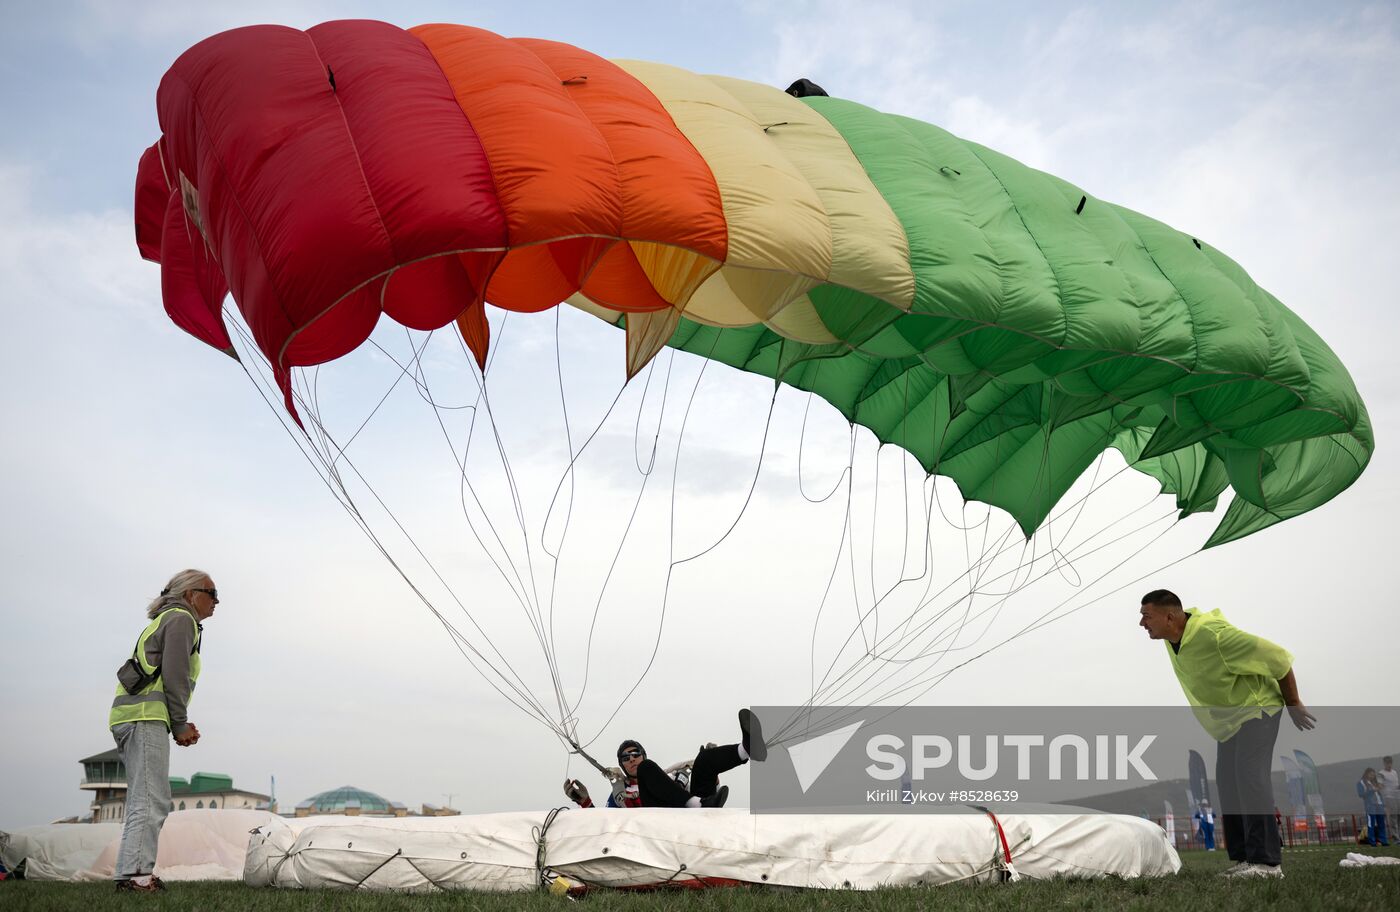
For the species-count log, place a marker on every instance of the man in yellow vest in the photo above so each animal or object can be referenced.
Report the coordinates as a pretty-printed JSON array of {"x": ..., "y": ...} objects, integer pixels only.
[
  {"x": 153, "y": 690},
  {"x": 1238, "y": 683}
]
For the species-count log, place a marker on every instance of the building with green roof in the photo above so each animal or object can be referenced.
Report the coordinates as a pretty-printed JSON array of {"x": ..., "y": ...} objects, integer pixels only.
[
  {"x": 105, "y": 776},
  {"x": 352, "y": 802}
]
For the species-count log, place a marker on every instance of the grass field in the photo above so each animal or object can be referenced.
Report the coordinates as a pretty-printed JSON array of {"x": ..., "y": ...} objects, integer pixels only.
[{"x": 1313, "y": 881}]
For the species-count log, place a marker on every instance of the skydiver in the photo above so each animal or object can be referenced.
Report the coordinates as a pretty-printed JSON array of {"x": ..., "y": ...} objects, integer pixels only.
[{"x": 655, "y": 788}]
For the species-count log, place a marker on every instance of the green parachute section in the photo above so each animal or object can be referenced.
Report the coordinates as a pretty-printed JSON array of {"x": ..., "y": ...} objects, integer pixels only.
[{"x": 1048, "y": 326}]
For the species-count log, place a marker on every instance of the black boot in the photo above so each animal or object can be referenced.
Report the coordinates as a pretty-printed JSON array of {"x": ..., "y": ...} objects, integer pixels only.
[{"x": 753, "y": 736}]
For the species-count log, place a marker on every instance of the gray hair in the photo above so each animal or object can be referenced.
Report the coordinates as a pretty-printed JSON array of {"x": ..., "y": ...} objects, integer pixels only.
[{"x": 173, "y": 595}]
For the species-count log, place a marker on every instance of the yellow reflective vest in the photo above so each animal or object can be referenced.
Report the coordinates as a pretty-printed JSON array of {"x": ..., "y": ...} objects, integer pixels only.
[
  {"x": 150, "y": 703},
  {"x": 1230, "y": 676}
]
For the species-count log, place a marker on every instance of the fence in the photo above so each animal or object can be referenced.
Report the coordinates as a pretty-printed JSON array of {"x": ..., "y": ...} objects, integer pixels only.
[{"x": 1334, "y": 829}]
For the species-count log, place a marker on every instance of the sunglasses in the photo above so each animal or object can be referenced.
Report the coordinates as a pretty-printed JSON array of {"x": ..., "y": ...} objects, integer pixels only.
[
  {"x": 212, "y": 593},
  {"x": 630, "y": 755}
]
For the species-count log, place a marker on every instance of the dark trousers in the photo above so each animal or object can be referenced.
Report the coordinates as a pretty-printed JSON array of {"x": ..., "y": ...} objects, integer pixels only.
[
  {"x": 656, "y": 789},
  {"x": 1246, "y": 792}
]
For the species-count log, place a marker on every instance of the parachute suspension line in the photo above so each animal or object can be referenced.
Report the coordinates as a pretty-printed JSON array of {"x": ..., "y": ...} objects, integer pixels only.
[
  {"x": 531, "y": 600},
  {"x": 512, "y": 579},
  {"x": 970, "y": 566},
  {"x": 1063, "y": 565},
  {"x": 660, "y": 416},
  {"x": 1050, "y": 531},
  {"x": 848, "y": 526},
  {"x": 860, "y": 665},
  {"x": 903, "y": 488},
  {"x": 877, "y": 596},
  {"x": 387, "y": 393},
  {"x": 802, "y": 449},
  {"x": 844, "y": 546},
  {"x": 313, "y": 411},
  {"x": 926, "y": 552},
  {"x": 568, "y": 472},
  {"x": 869, "y": 650},
  {"x": 420, "y": 385},
  {"x": 927, "y": 625},
  {"x": 567, "y": 709},
  {"x": 1048, "y": 619},
  {"x": 848, "y": 479},
  {"x": 544, "y": 525},
  {"x": 569, "y": 507},
  {"x": 1085, "y": 544},
  {"x": 621, "y": 546},
  {"x": 826, "y": 593},
  {"x": 860, "y": 695},
  {"x": 753, "y": 482},
  {"x": 874, "y": 611},
  {"x": 871, "y": 684},
  {"x": 976, "y": 585},
  {"x": 539, "y": 712},
  {"x": 859, "y": 626},
  {"x": 844, "y": 678},
  {"x": 516, "y": 504},
  {"x": 1050, "y": 616},
  {"x": 320, "y": 463},
  {"x": 926, "y": 573},
  {"x": 1000, "y": 546},
  {"x": 523, "y": 689},
  {"x": 673, "y": 562},
  {"x": 568, "y": 475}
]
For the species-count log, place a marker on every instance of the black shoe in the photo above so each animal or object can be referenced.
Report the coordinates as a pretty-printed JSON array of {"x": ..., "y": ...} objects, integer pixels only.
[
  {"x": 753, "y": 736},
  {"x": 716, "y": 800}
]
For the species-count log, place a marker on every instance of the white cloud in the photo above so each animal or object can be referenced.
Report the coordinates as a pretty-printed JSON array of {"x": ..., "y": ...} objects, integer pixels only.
[{"x": 63, "y": 261}]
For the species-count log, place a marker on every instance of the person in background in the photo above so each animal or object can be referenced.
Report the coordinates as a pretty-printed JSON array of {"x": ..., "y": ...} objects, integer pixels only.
[
  {"x": 1389, "y": 778},
  {"x": 1368, "y": 789},
  {"x": 153, "y": 690},
  {"x": 1205, "y": 823}
]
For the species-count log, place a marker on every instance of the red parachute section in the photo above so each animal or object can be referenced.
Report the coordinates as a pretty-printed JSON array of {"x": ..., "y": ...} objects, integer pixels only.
[{"x": 327, "y": 176}]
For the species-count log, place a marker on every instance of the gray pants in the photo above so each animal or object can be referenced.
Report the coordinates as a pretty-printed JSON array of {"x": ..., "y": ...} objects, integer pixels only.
[
  {"x": 145, "y": 750},
  {"x": 1392, "y": 817}
]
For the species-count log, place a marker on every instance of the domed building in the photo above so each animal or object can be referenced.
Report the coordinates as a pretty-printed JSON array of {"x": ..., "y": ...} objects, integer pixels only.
[{"x": 352, "y": 802}]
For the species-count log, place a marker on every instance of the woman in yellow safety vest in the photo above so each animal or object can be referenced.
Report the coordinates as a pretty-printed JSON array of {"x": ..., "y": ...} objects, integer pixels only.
[{"x": 153, "y": 691}]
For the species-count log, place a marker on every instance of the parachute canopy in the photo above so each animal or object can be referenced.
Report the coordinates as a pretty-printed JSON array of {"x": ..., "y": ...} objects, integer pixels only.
[{"x": 996, "y": 322}]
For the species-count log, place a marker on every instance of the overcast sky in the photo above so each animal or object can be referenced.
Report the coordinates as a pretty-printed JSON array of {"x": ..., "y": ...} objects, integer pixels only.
[{"x": 131, "y": 450}]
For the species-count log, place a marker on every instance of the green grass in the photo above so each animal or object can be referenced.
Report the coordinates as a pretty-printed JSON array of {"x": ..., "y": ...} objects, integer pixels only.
[{"x": 1313, "y": 881}]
